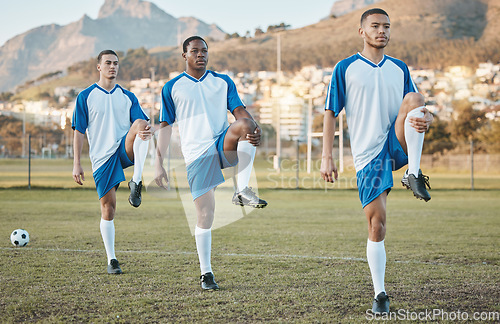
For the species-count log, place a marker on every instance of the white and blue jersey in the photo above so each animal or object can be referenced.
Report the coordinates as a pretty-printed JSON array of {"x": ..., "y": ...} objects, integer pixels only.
[
  {"x": 107, "y": 116},
  {"x": 371, "y": 95},
  {"x": 200, "y": 108}
]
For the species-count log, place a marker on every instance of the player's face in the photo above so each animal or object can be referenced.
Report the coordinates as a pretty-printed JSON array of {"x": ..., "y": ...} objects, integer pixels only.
[
  {"x": 108, "y": 67},
  {"x": 376, "y": 31},
  {"x": 196, "y": 55}
]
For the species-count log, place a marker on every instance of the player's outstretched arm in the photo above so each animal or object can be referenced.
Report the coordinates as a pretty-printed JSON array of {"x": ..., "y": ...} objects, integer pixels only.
[
  {"x": 78, "y": 174},
  {"x": 328, "y": 168},
  {"x": 254, "y": 138},
  {"x": 164, "y": 134}
]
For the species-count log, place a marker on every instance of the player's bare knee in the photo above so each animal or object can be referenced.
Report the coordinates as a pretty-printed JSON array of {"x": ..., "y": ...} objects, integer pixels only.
[
  {"x": 376, "y": 232},
  {"x": 413, "y": 100},
  {"x": 247, "y": 126},
  {"x": 205, "y": 219},
  {"x": 139, "y": 125}
]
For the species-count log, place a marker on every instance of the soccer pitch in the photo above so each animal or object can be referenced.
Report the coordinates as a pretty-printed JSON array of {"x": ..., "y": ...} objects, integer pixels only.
[{"x": 301, "y": 259}]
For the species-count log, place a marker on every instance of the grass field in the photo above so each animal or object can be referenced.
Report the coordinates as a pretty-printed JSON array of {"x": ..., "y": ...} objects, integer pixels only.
[{"x": 301, "y": 259}]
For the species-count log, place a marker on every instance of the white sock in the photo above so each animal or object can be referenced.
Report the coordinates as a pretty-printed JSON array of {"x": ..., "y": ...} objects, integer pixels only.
[
  {"x": 414, "y": 142},
  {"x": 108, "y": 237},
  {"x": 140, "y": 153},
  {"x": 375, "y": 253},
  {"x": 246, "y": 155},
  {"x": 204, "y": 246}
]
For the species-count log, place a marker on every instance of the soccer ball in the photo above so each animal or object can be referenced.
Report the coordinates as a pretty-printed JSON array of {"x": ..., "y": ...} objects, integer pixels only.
[{"x": 20, "y": 237}]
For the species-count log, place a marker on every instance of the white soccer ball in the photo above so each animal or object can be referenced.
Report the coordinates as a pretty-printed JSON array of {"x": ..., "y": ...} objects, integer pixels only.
[{"x": 20, "y": 237}]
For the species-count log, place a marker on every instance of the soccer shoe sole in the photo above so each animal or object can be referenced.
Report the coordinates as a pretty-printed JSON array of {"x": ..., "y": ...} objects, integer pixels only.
[
  {"x": 258, "y": 205},
  {"x": 210, "y": 288}
]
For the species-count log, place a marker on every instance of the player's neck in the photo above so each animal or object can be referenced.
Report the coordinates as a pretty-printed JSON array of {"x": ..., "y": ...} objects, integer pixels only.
[
  {"x": 197, "y": 74},
  {"x": 107, "y": 84},
  {"x": 373, "y": 54}
]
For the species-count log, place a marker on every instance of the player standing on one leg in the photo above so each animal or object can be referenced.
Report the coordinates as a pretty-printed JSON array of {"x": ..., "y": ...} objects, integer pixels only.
[
  {"x": 198, "y": 100},
  {"x": 118, "y": 134},
  {"x": 387, "y": 120}
]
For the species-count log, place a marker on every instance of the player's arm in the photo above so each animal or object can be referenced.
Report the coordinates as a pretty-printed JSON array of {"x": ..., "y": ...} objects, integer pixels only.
[
  {"x": 78, "y": 174},
  {"x": 327, "y": 165},
  {"x": 254, "y": 138},
  {"x": 164, "y": 134}
]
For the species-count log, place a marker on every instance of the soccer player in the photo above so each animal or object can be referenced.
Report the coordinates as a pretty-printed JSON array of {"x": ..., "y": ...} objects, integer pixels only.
[
  {"x": 387, "y": 120},
  {"x": 118, "y": 133},
  {"x": 198, "y": 99}
]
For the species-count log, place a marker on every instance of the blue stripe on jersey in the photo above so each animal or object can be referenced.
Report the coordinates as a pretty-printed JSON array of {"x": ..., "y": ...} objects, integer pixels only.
[
  {"x": 80, "y": 120},
  {"x": 136, "y": 111},
  {"x": 336, "y": 96},
  {"x": 233, "y": 100},
  {"x": 409, "y": 86},
  {"x": 167, "y": 113}
]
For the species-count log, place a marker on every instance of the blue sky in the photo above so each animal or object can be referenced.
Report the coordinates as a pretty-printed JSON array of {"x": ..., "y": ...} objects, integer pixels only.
[{"x": 18, "y": 16}]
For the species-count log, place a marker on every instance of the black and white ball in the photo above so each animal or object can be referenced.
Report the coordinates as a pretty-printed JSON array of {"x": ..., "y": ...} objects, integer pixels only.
[{"x": 20, "y": 237}]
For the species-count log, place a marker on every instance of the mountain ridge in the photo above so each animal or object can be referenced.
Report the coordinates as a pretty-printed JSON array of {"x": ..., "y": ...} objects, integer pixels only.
[{"x": 121, "y": 25}]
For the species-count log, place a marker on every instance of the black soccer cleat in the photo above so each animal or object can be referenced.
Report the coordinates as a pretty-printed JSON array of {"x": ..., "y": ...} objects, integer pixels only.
[
  {"x": 247, "y": 197},
  {"x": 135, "y": 193},
  {"x": 114, "y": 267},
  {"x": 381, "y": 304},
  {"x": 208, "y": 282},
  {"x": 417, "y": 185}
]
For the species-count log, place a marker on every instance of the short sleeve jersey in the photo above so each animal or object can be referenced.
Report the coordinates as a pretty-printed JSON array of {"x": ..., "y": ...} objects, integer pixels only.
[
  {"x": 200, "y": 109},
  {"x": 105, "y": 117},
  {"x": 371, "y": 95}
]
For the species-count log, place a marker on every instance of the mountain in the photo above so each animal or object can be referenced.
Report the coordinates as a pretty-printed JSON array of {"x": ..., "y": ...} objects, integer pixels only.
[
  {"x": 121, "y": 25},
  {"x": 342, "y": 7},
  {"x": 424, "y": 34}
]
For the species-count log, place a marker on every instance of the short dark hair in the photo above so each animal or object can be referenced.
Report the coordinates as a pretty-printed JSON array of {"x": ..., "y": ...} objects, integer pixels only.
[
  {"x": 189, "y": 40},
  {"x": 105, "y": 52},
  {"x": 373, "y": 11}
]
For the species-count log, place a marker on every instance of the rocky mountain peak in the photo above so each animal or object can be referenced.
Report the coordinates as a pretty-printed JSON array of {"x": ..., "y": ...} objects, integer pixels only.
[{"x": 128, "y": 8}]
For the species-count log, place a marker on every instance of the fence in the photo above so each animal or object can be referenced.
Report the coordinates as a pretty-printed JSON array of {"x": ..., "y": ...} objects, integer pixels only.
[{"x": 51, "y": 165}]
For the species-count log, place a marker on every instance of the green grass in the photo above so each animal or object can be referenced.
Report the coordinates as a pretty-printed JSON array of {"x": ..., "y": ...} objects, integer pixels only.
[
  {"x": 56, "y": 173},
  {"x": 301, "y": 259}
]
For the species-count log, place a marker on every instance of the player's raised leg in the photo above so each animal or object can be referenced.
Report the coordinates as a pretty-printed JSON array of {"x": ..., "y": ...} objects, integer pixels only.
[
  {"x": 136, "y": 146},
  {"x": 107, "y": 226},
  {"x": 205, "y": 208},
  {"x": 410, "y": 129},
  {"x": 239, "y": 145},
  {"x": 375, "y": 213}
]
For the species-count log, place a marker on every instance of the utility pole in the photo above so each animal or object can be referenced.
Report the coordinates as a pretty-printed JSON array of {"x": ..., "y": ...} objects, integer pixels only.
[
  {"x": 277, "y": 160},
  {"x": 153, "y": 92},
  {"x": 309, "y": 131}
]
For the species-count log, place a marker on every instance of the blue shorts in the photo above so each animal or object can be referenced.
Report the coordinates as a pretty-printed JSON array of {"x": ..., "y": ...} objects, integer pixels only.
[
  {"x": 376, "y": 176},
  {"x": 205, "y": 172},
  {"x": 110, "y": 174}
]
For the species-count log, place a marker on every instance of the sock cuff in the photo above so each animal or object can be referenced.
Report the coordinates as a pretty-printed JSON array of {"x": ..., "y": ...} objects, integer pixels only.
[
  {"x": 103, "y": 221},
  {"x": 246, "y": 146},
  {"x": 138, "y": 138},
  {"x": 415, "y": 112},
  {"x": 381, "y": 243},
  {"x": 199, "y": 231}
]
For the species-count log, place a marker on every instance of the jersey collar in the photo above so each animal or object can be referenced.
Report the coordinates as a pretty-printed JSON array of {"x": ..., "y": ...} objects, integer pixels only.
[
  {"x": 195, "y": 79},
  {"x": 106, "y": 91},
  {"x": 361, "y": 57}
]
